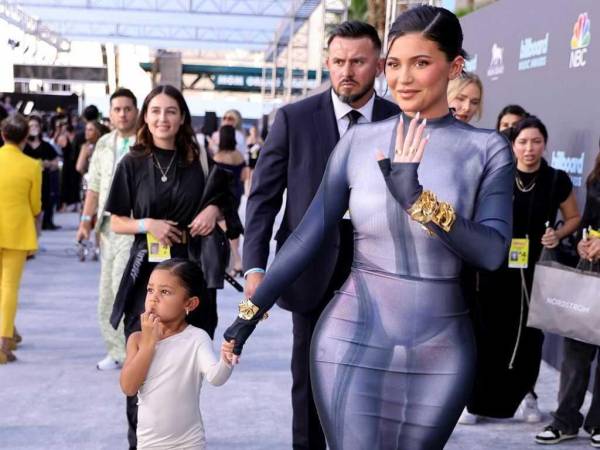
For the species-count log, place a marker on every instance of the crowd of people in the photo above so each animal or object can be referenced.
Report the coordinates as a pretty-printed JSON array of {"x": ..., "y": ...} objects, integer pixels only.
[{"x": 392, "y": 254}]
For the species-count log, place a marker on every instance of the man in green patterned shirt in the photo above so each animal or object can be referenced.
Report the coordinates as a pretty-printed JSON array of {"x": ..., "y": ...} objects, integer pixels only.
[{"x": 114, "y": 248}]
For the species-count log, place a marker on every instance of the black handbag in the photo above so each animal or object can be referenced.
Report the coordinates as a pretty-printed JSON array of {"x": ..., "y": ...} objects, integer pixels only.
[
  {"x": 214, "y": 257},
  {"x": 215, "y": 249}
]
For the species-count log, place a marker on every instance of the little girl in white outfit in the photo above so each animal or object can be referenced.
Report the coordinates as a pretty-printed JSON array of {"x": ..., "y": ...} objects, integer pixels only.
[{"x": 168, "y": 360}]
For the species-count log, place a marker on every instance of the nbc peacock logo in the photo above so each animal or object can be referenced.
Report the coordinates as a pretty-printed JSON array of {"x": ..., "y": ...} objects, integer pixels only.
[
  {"x": 581, "y": 32},
  {"x": 582, "y": 35}
]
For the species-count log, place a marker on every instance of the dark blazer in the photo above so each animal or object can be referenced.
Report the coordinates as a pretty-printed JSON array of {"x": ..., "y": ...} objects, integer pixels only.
[{"x": 294, "y": 156}]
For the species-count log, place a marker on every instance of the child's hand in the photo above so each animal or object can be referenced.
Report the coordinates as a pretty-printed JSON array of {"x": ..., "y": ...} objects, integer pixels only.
[
  {"x": 227, "y": 353},
  {"x": 151, "y": 332}
]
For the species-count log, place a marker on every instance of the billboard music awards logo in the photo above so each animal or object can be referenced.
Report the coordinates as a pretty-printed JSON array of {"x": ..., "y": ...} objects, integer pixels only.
[
  {"x": 533, "y": 53},
  {"x": 572, "y": 165},
  {"x": 582, "y": 36},
  {"x": 497, "y": 63}
]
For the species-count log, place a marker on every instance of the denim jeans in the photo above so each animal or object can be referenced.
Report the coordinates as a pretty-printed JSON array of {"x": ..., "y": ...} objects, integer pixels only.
[{"x": 574, "y": 379}]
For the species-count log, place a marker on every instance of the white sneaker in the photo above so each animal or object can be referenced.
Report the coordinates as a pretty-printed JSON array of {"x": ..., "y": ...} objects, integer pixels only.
[
  {"x": 108, "y": 364},
  {"x": 552, "y": 435},
  {"x": 466, "y": 418},
  {"x": 528, "y": 410}
]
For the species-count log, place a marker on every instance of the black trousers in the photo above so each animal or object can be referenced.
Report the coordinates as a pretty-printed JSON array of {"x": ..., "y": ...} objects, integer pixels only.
[
  {"x": 307, "y": 433},
  {"x": 131, "y": 325},
  {"x": 574, "y": 378}
]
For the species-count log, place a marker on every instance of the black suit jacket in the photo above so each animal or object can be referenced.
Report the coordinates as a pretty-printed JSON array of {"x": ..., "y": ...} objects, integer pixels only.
[{"x": 294, "y": 157}]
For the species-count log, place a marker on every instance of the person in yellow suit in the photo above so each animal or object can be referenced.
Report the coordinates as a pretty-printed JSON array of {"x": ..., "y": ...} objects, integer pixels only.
[{"x": 20, "y": 203}]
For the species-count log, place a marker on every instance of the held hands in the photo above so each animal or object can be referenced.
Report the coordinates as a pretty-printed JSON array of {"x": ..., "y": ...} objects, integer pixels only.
[
  {"x": 204, "y": 223},
  {"x": 227, "y": 354},
  {"x": 151, "y": 329},
  {"x": 402, "y": 178},
  {"x": 165, "y": 231},
  {"x": 241, "y": 329}
]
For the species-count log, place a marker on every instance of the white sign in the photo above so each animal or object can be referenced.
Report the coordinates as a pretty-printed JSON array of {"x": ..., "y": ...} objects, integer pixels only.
[
  {"x": 572, "y": 165},
  {"x": 497, "y": 63},
  {"x": 533, "y": 53}
]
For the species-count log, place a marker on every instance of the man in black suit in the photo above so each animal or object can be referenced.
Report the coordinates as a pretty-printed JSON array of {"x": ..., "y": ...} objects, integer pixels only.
[{"x": 294, "y": 157}]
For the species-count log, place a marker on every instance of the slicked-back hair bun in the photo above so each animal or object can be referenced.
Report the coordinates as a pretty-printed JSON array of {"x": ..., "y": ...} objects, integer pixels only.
[{"x": 436, "y": 24}]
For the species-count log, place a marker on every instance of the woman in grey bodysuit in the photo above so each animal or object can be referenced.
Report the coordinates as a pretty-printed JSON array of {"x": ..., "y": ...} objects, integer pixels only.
[{"x": 393, "y": 354}]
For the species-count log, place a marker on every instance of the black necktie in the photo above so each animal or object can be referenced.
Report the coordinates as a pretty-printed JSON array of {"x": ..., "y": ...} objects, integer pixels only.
[{"x": 353, "y": 117}]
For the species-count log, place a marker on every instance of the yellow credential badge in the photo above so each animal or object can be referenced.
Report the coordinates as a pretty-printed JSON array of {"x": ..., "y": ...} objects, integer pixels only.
[
  {"x": 518, "y": 255},
  {"x": 156, "y": 251}
]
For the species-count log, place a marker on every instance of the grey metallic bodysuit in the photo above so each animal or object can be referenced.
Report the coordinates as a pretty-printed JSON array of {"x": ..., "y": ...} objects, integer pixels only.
[{"x": 393, "y": 356}]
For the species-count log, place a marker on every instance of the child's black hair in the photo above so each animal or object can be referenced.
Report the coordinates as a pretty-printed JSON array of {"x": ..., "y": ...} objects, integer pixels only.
[{"x": 188, "y": 272}]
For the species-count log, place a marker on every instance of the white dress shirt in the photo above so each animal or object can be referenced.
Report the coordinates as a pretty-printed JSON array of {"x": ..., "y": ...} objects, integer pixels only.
[{"x": 341, "y": 109}]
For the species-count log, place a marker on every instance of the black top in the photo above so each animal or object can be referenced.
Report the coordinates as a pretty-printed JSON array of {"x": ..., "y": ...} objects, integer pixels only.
[
  {"x": 532, "y": 209},
  {"x": 44, "y": 151},
  {"x": 591, "y": 212},
  {"x": 138, "y": 191}
]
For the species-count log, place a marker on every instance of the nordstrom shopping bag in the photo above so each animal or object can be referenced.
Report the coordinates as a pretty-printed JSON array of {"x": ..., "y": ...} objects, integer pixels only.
[{"x": 566, "y": 301}]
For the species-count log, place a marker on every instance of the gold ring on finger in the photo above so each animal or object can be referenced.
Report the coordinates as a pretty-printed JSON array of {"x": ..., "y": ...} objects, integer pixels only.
[
  {"x": 398, "y": 151},
  {"x": 413, "y": 149}
]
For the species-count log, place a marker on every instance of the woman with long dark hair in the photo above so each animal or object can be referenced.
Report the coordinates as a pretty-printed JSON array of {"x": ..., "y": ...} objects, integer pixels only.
[
  {"x": 393, "y": 355},
  {"x": 166, "y": 193}
]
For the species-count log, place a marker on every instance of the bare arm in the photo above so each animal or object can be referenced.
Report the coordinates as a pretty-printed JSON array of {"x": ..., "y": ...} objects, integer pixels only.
[
  {"x": 165, "y": 231},
  {"x": 570, "y": 213},
  {"x": 571, "y": 216},
  {"x": 90, "y": 207},
  {"x": 140, "y": 351},
  {"x": 83, "y": 159},
  {"x": 126, "y": 225},
  {"x": 138, "y": 360}
]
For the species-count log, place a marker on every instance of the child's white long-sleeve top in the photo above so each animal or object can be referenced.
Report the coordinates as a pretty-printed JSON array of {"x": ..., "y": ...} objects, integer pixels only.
[{"x": 169, "y": 400}]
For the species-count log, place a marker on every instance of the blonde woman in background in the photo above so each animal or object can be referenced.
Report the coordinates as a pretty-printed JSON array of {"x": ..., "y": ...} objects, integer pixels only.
[
  {"x": 465, "y": 96},
  {"x": 234, "y": 118}
]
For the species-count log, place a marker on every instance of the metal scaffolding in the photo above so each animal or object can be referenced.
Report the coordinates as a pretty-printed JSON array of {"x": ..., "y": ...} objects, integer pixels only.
[
  {"x": 290, "y": 49},
  {"x": 280, "y": 28},
  {"x": 265, "y": 8},
  {"x": 183, "y": 36},
  {"x": 33, "y": 26}
]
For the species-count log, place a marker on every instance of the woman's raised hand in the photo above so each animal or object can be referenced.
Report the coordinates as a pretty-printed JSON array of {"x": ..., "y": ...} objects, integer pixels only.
[
  {"x": 409, "y": 149},
  {"x": 165, "y": 231},
  {"x": 401, "y": 177}
]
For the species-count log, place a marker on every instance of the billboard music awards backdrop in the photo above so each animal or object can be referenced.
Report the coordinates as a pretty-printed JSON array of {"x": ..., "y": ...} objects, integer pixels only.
[{"x": 545, "y": 56}]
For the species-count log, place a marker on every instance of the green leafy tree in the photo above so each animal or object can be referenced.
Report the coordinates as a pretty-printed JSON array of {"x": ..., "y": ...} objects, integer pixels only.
[{"x": 358, "y": 10}]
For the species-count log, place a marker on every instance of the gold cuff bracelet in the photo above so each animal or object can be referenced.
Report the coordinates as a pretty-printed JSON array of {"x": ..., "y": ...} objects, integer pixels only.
[
  {"x": 427, "y": 209},
  {"x": 248, "y": 310}
]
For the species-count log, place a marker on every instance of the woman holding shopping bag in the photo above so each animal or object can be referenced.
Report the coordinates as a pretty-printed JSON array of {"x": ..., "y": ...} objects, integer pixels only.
[
  {"x": 579, "y": 355},
  {"x": 509, "y": 352}
]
